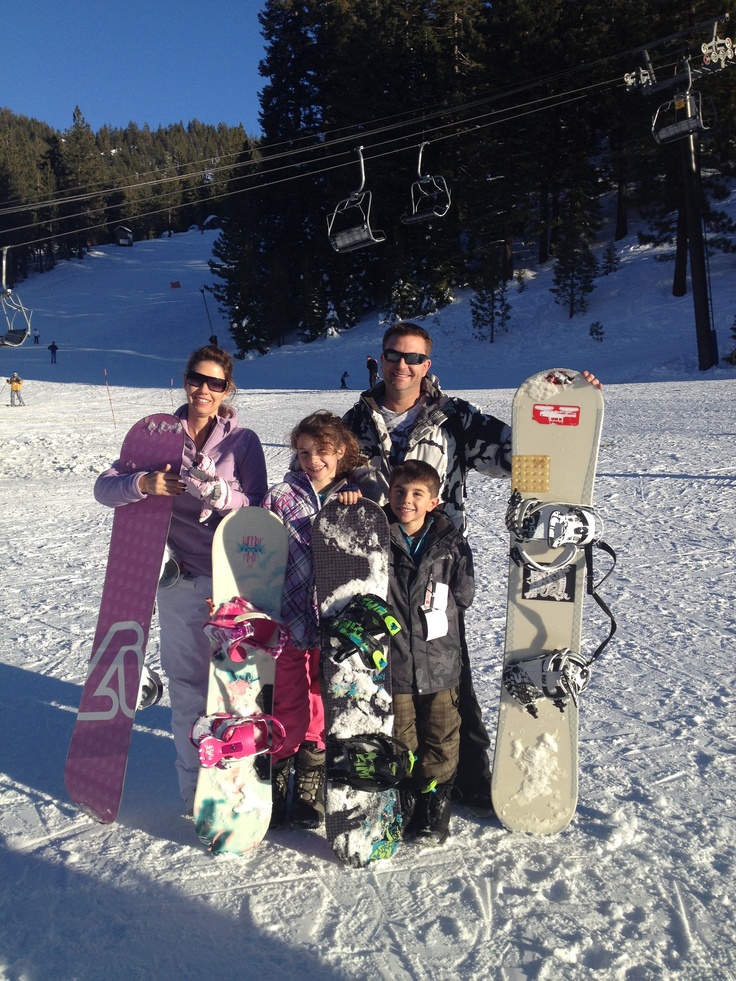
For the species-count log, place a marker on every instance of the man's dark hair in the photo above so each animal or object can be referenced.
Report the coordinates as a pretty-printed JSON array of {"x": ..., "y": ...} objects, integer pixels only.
[{"x": 406, "y": 329}]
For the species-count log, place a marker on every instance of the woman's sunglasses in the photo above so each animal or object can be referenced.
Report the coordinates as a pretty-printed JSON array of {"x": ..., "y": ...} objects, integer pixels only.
[
  {"x": 412, "y": 358},
  {"x": 196, "y": 380}
]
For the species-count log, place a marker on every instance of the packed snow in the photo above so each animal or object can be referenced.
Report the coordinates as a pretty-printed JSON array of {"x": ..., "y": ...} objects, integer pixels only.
[{"x": 639, "y": 887}]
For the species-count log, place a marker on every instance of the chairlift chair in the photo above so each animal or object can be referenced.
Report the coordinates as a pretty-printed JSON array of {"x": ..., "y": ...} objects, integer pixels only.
[
  {"x": 12, "y": 307},
  {"x": 678, "y": 118},
  {"x": 349, "y": 225},
  {"x": 430, "y": 196}
]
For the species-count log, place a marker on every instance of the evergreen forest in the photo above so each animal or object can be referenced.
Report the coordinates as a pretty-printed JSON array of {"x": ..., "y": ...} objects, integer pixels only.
[{"x": 407, "y": 149}]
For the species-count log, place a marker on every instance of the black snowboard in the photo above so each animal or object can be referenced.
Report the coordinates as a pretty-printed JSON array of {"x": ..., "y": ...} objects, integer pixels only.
[{"x": 350, "y": 547}]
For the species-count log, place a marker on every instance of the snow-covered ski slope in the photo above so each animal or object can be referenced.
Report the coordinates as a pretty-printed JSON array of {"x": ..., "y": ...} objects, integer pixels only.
[{"x": 639, "y": 887}]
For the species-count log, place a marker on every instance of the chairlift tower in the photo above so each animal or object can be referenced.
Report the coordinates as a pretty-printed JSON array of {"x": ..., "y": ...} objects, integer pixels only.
[{"x": 681, "y": 120}]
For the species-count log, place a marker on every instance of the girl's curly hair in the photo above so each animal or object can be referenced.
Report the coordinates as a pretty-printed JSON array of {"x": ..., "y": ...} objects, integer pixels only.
[{"x": 330, "y": 433}]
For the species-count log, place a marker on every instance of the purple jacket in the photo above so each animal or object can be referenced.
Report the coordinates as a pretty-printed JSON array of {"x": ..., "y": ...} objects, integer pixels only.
[{"x": 238, "y": 456}]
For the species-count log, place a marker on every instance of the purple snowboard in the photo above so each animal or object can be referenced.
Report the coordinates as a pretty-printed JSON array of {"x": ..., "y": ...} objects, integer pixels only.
[{"x": 98, "y": 753}]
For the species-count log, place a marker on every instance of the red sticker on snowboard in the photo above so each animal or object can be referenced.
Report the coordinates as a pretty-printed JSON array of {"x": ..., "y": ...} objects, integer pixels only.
[{"x": 556, "y": 415}]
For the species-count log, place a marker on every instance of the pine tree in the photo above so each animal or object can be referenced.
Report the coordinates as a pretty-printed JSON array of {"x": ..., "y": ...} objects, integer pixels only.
[
  {"x": 490, "y": 311},
  {"x": 82, "y": 178},
  {"x": 574, "y": 275},
  {"x": 611, "y": 260}
]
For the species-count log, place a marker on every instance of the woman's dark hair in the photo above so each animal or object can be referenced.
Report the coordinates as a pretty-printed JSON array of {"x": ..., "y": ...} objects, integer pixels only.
[
  {"x": 330, "y": 433},
  {"x": 217, "y": 356}
]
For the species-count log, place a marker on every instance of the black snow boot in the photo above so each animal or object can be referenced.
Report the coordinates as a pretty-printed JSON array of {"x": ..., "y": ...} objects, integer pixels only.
[
  {"x": 280, "y": 773},
  {"x": 433, "y": 813},
  {"x": 308, "y": 805}
]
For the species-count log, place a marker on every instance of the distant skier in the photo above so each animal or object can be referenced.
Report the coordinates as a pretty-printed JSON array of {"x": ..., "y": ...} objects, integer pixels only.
[
  {"x": 53, "y": 347},
  {"x": 16, "y": 383},
  {"x": 372, "y": 366},
  {"x": 343, "y": 379},
  {"x": 36, "y": 336}
]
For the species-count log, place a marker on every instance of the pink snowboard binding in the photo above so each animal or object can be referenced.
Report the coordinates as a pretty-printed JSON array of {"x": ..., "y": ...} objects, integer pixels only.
[
  {"x": 221, "y": 738},
  {"x": 237, "y": 626}
]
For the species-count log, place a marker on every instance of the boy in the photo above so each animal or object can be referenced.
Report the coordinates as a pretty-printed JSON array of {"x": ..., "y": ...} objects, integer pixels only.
[{"x": 431, "y": 581}]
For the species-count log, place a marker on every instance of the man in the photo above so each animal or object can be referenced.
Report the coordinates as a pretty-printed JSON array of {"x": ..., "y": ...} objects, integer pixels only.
[
  {"x": 53, "y": 347},
  {"x": 408, "y": 417},
  {"x": 372, "y": 366}
]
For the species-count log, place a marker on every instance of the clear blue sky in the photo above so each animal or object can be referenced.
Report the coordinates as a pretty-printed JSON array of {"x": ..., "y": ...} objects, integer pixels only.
[{"x": 145, "y": 61}]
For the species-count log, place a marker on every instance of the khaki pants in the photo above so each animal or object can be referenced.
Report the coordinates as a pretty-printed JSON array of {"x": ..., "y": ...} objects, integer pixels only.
[{"x": 430, "y": 726}]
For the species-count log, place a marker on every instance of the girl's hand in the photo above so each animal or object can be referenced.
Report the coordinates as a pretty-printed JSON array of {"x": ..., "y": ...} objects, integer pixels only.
[
  {"x": 349, "y": 497},
  {"x": 591, "y": 379},
  {"x": 161, "y": 483}
]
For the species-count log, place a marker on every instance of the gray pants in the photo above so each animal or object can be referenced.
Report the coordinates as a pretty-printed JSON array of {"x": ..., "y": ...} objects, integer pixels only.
[{"x": 185, "y": 657}]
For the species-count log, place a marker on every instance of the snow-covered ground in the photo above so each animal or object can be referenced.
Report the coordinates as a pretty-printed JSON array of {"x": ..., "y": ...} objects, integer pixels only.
[{"x": 639, "y": 887}]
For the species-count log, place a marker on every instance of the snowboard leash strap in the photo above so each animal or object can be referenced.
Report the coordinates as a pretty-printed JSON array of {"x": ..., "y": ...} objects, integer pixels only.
[
  {"x": 372, "y": 762},
  {"x": 561, "y": 675},
  {"x": 592, "y": 590},
  {"x": 221, "y": 738}
]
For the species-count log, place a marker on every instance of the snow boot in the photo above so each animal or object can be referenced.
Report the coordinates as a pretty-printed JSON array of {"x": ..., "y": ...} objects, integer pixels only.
[
  {"x": 433, "y": 813},
  {"x": 280, "y": 773},
  {"x": 151, "y": 688},
  {"x": 308, "y": 807}
]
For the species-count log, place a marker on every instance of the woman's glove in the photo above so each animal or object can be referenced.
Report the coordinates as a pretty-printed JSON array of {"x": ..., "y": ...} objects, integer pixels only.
[{"x": 205, "y": 483}]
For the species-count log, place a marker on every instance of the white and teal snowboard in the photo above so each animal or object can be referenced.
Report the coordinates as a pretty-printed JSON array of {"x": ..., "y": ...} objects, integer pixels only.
[
  {"x": 232, "y": 806},
  {"x": 556, "y": 424}
]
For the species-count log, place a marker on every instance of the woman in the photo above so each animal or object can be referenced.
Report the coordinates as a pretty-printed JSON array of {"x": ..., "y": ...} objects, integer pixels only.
[{"x": 230, "y": 472}]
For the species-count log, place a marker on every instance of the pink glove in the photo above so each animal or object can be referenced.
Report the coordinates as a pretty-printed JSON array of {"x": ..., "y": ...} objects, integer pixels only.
[{"x": 204, "y": 482}]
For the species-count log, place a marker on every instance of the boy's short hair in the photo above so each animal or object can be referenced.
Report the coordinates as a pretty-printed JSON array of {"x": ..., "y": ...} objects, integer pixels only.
[{"x": 419, "y": 472}]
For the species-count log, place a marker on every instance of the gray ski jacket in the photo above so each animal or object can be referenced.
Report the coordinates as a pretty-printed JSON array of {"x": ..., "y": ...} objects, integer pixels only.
[{"x": 451, "y": 434}]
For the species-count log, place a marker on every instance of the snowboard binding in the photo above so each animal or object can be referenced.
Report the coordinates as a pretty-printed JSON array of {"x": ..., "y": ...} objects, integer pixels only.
[
  {"x": 361, "y": 628},
  {"x": 372, "y": 762},
  {"x": 567, "y": 526},
  {"x": 222, "y": 738},
  {"x": 237, "y": 627},
  {"x": 560, "y": 675}
]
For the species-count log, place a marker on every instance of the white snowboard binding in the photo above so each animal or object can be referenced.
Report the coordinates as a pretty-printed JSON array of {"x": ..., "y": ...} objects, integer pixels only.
[
  {"x": 560, "y": 675},
  {"x": 150, "y": 689},
  {"x": 567, "y": 526}
]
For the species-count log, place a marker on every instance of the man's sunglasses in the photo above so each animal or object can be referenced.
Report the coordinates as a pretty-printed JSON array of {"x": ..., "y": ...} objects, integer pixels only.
[
  {"x": 411, "y": 358},
  {"x": 196, "y": 380}
]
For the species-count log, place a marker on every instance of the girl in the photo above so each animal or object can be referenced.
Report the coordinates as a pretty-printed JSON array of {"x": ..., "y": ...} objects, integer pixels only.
[
  {"x": 326, "y": 462},
  {"x": 233, "y": 458}
]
